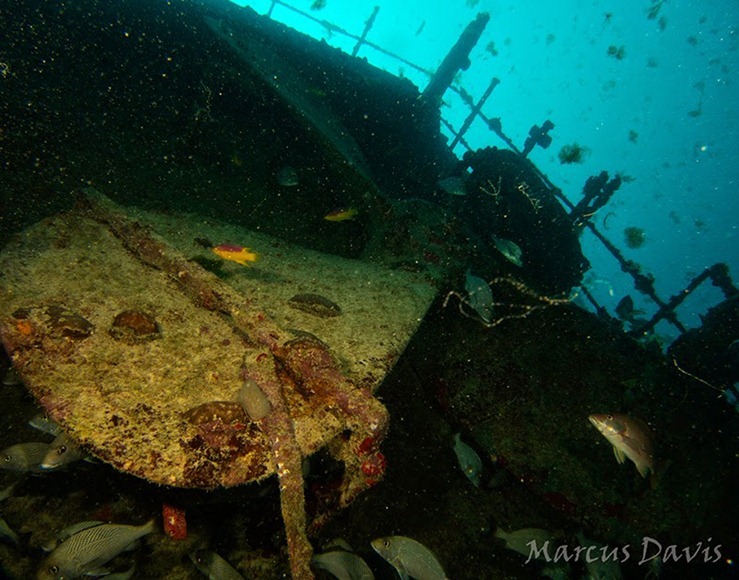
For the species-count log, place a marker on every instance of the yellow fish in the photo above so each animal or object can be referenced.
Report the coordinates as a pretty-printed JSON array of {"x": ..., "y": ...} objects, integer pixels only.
[
  {"x": 341, "y": 214},
  {"x": 238, "y": 254}
]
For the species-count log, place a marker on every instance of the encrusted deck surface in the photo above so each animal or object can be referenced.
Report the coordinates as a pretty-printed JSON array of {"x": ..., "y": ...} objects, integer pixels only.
[{"x": 124, "y": 400}]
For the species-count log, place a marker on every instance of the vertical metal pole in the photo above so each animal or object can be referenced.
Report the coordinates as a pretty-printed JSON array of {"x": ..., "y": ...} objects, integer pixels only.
[
  {"x": 271, "y": 8},
  {"x": 475, "y": 111},
  {"x": 367, "y": 27}
]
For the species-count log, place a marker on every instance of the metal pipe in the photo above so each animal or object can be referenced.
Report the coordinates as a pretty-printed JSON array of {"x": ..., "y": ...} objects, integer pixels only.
[
  {"x": 475, "y": 110},
  {"x": 367, "y": 27}
]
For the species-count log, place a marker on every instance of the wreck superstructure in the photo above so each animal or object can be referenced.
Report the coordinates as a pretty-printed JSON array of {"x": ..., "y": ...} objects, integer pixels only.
[{"x": 184, "y": 114}]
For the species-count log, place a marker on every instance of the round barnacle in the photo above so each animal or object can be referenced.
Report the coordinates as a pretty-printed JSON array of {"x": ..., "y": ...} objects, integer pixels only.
[
  {"x": 67, "y": 323},
  {"x": 134, "y": 326},
  {"x": 315, "y": 304}
]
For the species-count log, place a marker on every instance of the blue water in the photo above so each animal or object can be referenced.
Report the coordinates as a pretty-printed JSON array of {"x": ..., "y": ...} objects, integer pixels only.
[{"x": 664, "y": 114}]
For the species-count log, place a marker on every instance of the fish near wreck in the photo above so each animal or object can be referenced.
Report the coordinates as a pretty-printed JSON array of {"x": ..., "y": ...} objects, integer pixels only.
[
  {"x": 468, "y": 459},
  {"x": 510, "y": 250},
  {"x": 341, "y": 214},
  {"x": 54, "y": 542},
  {"x": 480, "y": 296},
  {"x": 88, "y": 550},
  {"x": 631, "y": 439},
  {"x": 213, "y": 565},
  {"x": 62, "y": 451},
  {"x": 529, "y": 542},
  {"x": 24, "y": 457},
  {"x": 409, "y": 557},
  {"x": 342, "y": 564},
  {"x": 235, "y": 253},
  {"x": 7, "y": 534}
]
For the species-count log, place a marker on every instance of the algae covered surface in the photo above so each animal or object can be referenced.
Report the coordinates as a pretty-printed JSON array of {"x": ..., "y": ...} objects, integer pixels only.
[{"x": 64, "y": 282}]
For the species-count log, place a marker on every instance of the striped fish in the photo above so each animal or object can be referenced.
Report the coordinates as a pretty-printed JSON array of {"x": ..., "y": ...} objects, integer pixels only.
[
  {"x": 88, "y": 550},
  {"x": 24, "y": 457}
]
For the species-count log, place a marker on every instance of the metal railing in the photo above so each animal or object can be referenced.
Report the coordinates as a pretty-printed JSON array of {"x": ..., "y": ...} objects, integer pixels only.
[{"x": 580, "y": 213}]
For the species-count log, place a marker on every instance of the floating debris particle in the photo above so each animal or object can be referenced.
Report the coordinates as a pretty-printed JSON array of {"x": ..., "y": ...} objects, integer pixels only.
[
  {"x": 315, "y": 304},
  {"x": 69, "y": 324},
  {"x": 617, "y": 52},
  {"x": 134, "y": 326}
]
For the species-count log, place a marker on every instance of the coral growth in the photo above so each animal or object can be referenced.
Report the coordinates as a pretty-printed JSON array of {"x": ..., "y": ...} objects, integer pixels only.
[
  {"x": 635, "y": 237},
  {"x": 574, "y": 153}
]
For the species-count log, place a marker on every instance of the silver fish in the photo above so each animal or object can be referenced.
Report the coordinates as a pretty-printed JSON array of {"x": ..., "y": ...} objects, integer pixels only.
[
  {"x": 89, "y": 549},
  {"x": 8, "y": 491},
  {"x": 11, "y": 378},
  {"x": 67, "y": 533},
  {"x": 44, "y": 424},
  {"x": 480, "y": 296},
  {"x": 62, "y": 452},
  {"x": 468, "y": 459},
  {"x": 24, "y": 457},
  {"x": 213, "y": 566},
  {"x": 511, "y": 250},
  {"x": 409, "y": 557},
  {"x": 124, "y": 575},
  {"x": 521, "y": 540},
  {"x": 337, "y": 544},
  {"x": 287, "y": 176},
  {"x": 631, "y": 438},
  {"x": 599, "y": 568},
  {"x": 453, "y": 185},
  {"x": 342, "y": 564},
  {"x": 7, "y": 534}
]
